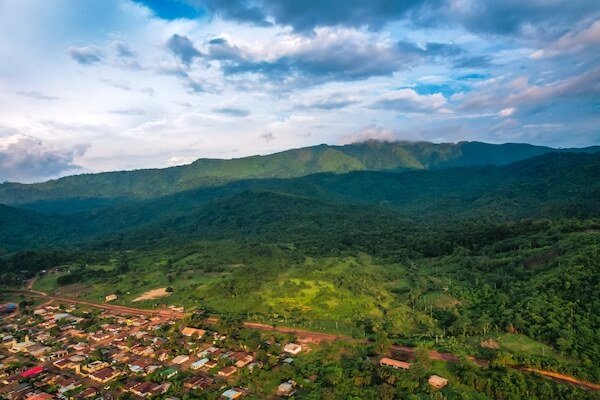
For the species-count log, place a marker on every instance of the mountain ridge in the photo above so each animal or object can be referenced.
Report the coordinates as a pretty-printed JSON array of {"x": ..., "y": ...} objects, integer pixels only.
[
  {"x": 556, "y": 185},
  {"x": 371, "y": 155}
]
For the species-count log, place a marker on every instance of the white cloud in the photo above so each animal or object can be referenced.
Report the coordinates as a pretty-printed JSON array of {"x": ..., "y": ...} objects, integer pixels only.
[
  {"x": 25, "y": 158},
  {"x": 409, "y": 101},
  {"x": 371, "y": 132},
  {"x": 507, "y": 112},
  {"x": 572, "y": 42}
]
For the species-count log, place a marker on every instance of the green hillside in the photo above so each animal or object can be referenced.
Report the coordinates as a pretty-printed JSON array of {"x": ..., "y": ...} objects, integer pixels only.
[
  {"x": 316, "y": 206},
  {"x": 100, "y": 188}
]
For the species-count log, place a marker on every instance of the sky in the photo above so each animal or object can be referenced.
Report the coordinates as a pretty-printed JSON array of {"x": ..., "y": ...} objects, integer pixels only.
[{"x": 102, "y": 85}]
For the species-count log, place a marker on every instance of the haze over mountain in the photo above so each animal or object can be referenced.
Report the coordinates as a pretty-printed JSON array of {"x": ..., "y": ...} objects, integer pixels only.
[{"x": 371, "y": 155}]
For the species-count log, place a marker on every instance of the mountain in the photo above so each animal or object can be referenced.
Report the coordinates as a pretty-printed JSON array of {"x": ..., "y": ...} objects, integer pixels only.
[
  {"x": 23, "y": 228},
  {"x": 327, "y": 205},
  {"x": 102, "y": 189}
]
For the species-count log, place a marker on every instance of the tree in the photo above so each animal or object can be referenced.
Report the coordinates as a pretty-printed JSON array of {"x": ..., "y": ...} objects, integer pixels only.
[
  {"x": 123, "y": 263},
  {"x": 382, "y": 343}
]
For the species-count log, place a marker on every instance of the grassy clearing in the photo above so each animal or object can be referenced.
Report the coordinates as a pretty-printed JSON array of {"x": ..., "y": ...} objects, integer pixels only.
[{"x": 521, "y": 344}]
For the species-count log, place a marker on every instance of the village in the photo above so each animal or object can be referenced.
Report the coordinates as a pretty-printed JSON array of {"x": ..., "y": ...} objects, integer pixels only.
[{"x": 74, "y": 352}]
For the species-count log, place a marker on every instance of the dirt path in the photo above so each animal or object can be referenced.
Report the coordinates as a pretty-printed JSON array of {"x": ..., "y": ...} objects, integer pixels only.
[
  {"x": 30, "y": 283},
  {"x": 564, "y": 379}
]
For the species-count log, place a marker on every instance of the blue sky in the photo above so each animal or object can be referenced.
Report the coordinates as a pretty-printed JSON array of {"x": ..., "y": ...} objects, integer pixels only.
[{"x": 89, "y": 86}]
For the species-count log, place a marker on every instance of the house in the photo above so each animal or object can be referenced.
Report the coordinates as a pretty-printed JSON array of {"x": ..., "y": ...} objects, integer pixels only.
[
  {"x": 88, "y": 393},
  {"x": 105, "y": 375},
  {"x": 18, "y": 347},
  {"x": 198, "y": 382},
  {"x": 111, "y": 297},
  {"x": 55, "y": 355},
  {"x": 63, "y": 363},
  {"x": 144, "y": 389},
  {"x": 68, "y": 384},
  {"x": 390, "y": 362},
  {"x": 162, "y": 354},
  {"x": 292, "y": 348},
  {"x": 78, "y": 346},
  {"x": 437, "y": 381},
  {"x": 99, "y": 336},
  {"x": 40, "y": 396},
  {"x": 232, "y": 394},
  {"x": 286, "y": 389},
  {"x": 38, "y": 350},
  {"x": 32, "y": 372},
  {"x": 189, "y": 332},
  {"x": 94, "y": 366},
  {"x": 180, "y": 359},
  {"x": 227, "y": 371},
  {"x": 199, "y": 364},
  {"x": 169, "y": 373},
  {"x": 210, "y": 365},
  {"x": 242, "y": 359},
  {"x": 207, "y": 351}
]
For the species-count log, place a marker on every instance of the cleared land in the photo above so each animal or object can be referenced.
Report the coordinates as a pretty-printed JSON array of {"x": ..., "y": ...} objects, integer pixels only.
[{"x": 152, "y": 294}]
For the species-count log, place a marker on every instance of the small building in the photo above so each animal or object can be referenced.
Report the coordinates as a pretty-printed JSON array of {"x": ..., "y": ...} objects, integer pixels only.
[
  {"x": 227, "y": 371},
  {"x": 199, "y": 364},
  {"x": 32, "y": 372},
  {"x": 286, "y": 389},
  {"x": 88, "y": 393},
  {"x": 144, "y": 389},
  {"x": 189, "y": 332},
  {"x": 17, "y": 347},
  {"x": 169, "y": 373},
  {"x": 40, "y": 396},
  {"x": 111, "y": 297},
  {"x": 231, "y": 394},
  {"x": 242, "y": 359},
  {"x": 198, "y": 382},
  {"x": 104, "y": 375},
  {"x": 180, "y": 359},
  {"x": 390, "y": 362},
  {"x": 94, "y": 366},
  {"x": 292, "y": 348},
  {"x": 437, "y": 381}
]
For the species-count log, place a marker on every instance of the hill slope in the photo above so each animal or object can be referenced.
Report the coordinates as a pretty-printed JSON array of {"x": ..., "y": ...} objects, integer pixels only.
[
  {"x": 334, "y": 205},
  {"x": 98, "y": 189}
]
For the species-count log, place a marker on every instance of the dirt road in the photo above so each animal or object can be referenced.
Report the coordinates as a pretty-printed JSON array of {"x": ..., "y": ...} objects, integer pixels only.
[
  {"x": 564, "y": 379},
  {"x": 110, "y": 307}
]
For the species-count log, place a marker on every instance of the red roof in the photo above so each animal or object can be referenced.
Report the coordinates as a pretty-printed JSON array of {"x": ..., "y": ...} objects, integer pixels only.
[
  {"x": 31, "y": 372},
  {"x": 41, "y": 396}
]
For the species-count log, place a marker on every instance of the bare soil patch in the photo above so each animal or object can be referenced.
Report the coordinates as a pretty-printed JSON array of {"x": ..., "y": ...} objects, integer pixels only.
[
  {"x": 152, "y": 294},
  {"x": 490, "y": 344}
]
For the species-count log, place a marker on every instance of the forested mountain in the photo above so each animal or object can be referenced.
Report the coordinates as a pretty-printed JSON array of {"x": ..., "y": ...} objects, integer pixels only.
[
  {"x": 548, "y": 186},
  {"x": 100, "y": 189}
]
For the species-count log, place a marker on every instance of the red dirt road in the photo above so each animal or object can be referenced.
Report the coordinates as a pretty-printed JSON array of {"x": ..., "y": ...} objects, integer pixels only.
[
  {"x": 564, "y": 379},
  {"x": 109, "y": 307}
]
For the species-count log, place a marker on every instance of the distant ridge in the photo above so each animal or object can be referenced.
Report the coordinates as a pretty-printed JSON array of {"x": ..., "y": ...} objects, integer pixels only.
[
  {"x": 102, "y": 188},
  {"x": 554, "y": 185}
]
